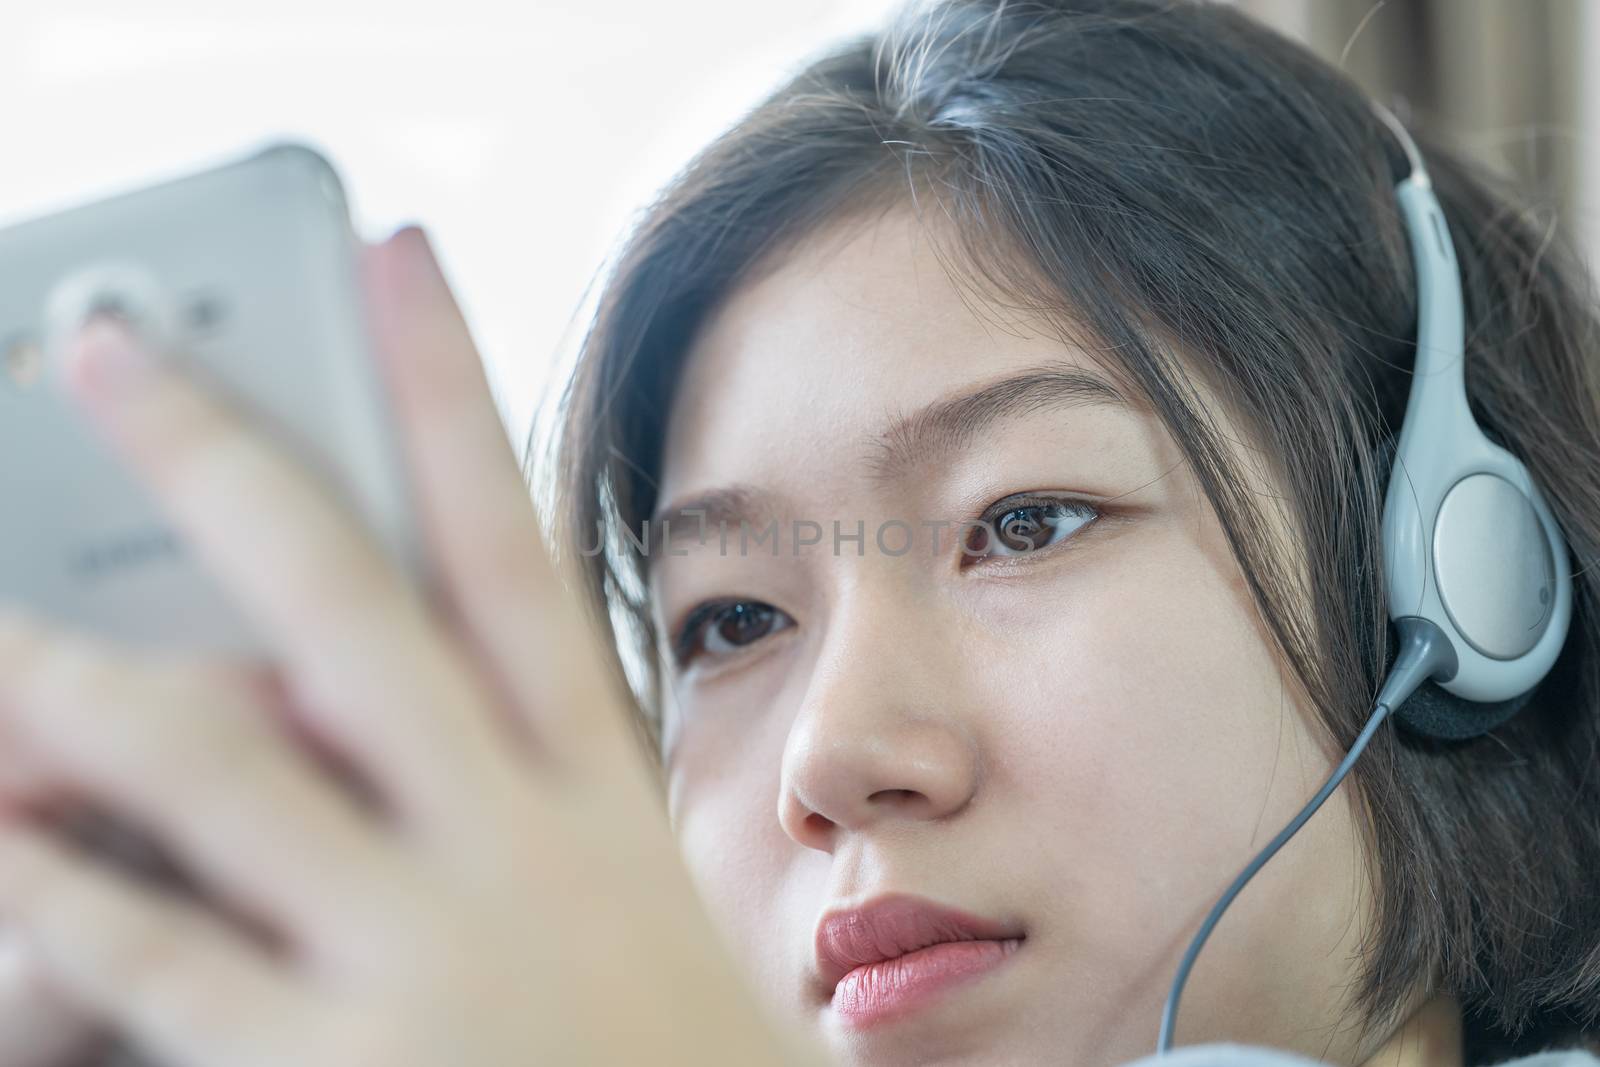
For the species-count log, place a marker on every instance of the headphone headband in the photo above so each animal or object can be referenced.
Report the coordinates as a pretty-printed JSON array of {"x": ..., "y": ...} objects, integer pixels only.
[{"x": 1469, "y": 544}]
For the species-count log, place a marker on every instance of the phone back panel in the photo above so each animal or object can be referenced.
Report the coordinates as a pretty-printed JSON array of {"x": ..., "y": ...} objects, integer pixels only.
[{"x": 254, "y": 266}]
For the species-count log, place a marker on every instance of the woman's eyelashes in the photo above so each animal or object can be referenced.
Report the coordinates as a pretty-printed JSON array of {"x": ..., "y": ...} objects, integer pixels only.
[
  {"x": 1010, "y": 528},
  {"x": 1018, "y": 526},
  {"x": 721, "y": 628}
]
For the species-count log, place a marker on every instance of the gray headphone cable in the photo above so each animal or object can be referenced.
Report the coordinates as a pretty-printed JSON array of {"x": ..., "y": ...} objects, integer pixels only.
[{"x": 1425, "y": 653}]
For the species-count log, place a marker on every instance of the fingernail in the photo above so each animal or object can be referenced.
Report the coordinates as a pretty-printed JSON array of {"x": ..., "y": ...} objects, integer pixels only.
[
  {"x": 418, "y": 250},
  {"x": 409, "y": 231},
  {"x": 106, "y": 355}
]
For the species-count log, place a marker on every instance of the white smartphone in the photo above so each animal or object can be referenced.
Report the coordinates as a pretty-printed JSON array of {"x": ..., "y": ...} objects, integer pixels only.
[{"x": 249, "y": 273}]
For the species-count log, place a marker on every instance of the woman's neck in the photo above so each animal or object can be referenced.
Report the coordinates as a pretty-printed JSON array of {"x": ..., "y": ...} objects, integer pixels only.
[{"x": 1431, "y": 1037}]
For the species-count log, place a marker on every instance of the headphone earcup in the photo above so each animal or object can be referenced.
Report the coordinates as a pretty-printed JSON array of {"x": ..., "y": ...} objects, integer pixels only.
[{"x": 1432, "y": 711}]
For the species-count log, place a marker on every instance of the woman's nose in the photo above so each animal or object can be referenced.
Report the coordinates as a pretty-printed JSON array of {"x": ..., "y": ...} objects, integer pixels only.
[{"x": 882, "y": 735}]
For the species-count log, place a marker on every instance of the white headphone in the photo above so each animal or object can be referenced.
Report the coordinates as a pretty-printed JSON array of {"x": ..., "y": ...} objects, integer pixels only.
[{"x": 1479, "y": 582}]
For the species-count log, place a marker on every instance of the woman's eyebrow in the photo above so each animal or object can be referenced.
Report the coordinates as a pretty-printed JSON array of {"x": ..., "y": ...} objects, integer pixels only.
[
  {"x": 909, "y": 441},
  {"x": 949, "y": 424},
  {"x": 704, "y": 515}
]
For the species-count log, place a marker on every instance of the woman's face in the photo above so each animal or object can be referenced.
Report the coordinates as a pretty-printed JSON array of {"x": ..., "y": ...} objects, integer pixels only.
[{"x": 1075, "y": 729}]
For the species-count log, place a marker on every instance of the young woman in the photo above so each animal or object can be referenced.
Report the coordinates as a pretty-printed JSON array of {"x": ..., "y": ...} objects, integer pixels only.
[{"x": 979, "y": 454}]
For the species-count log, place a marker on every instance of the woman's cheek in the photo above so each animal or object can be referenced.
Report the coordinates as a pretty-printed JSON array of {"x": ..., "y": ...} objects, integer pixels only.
[
  {"x": 758, "y": 885},
  {"x": 1133, "y": 716}
]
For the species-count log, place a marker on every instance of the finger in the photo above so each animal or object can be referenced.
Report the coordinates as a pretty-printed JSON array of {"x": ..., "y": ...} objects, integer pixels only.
[
  {"x": 364, "y": 655},
  {"x": 175, "y": 980},
  {"x": 182, "y": 752},
  {"x": 477, "y": 513},
  {"x": 38, "y": 1026}
]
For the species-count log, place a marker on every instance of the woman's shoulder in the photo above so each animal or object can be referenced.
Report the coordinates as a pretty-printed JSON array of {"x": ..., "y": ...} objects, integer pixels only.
[{"x": 1228, "y": 1055}]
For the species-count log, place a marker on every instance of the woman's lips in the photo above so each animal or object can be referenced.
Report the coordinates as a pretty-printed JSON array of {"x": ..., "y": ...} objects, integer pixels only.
[
  {"x": 897, "y": 951},
  {"x": 875, "y": 992}
]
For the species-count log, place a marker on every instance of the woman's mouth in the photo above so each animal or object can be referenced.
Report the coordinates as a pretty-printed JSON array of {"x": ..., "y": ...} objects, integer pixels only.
[
  {"x": 898, "y": 952},
  {"x": 890, "y": 988}
]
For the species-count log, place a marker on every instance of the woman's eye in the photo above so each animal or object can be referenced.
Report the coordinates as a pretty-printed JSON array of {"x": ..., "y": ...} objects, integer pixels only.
[
  {"x": 1016, "y": 529},
  {"x": 721, "y": 628}
]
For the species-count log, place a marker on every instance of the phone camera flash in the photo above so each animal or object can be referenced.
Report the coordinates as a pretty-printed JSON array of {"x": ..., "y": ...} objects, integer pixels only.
[{"x": 204, "y": 312}]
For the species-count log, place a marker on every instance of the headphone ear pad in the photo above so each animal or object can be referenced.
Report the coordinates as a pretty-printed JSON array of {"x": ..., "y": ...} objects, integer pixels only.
[
  {"x": 1438, "y": 713},
  {"x": 1432, "y": 711}
]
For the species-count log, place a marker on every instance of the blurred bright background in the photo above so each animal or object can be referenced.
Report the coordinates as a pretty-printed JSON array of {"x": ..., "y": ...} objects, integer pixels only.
[{"x": 525, "y": 135}]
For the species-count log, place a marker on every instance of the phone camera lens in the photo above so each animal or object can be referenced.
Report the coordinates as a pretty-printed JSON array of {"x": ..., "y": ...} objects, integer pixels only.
[
  {"x": 112, "y": 305},
  {"x": 125, "y": 291}
]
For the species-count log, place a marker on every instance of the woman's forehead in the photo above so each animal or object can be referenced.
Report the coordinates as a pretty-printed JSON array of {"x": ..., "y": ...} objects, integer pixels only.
[
  {"x": 862, "y": 321},
  {"x": 867, "y": 329}
]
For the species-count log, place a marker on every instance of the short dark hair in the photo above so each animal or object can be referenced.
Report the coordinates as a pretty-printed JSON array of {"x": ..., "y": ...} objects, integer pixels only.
[{"x": 1173, "y": 177}]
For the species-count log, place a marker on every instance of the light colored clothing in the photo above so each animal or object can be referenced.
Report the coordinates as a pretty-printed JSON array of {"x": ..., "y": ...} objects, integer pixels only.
[{"x": 1229, "y": 1055}]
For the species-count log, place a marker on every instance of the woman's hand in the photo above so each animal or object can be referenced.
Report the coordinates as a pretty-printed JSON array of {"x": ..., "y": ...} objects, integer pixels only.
[
  {"x": 502, "y": 888},
  {"x": 38, "y": 1027}
]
